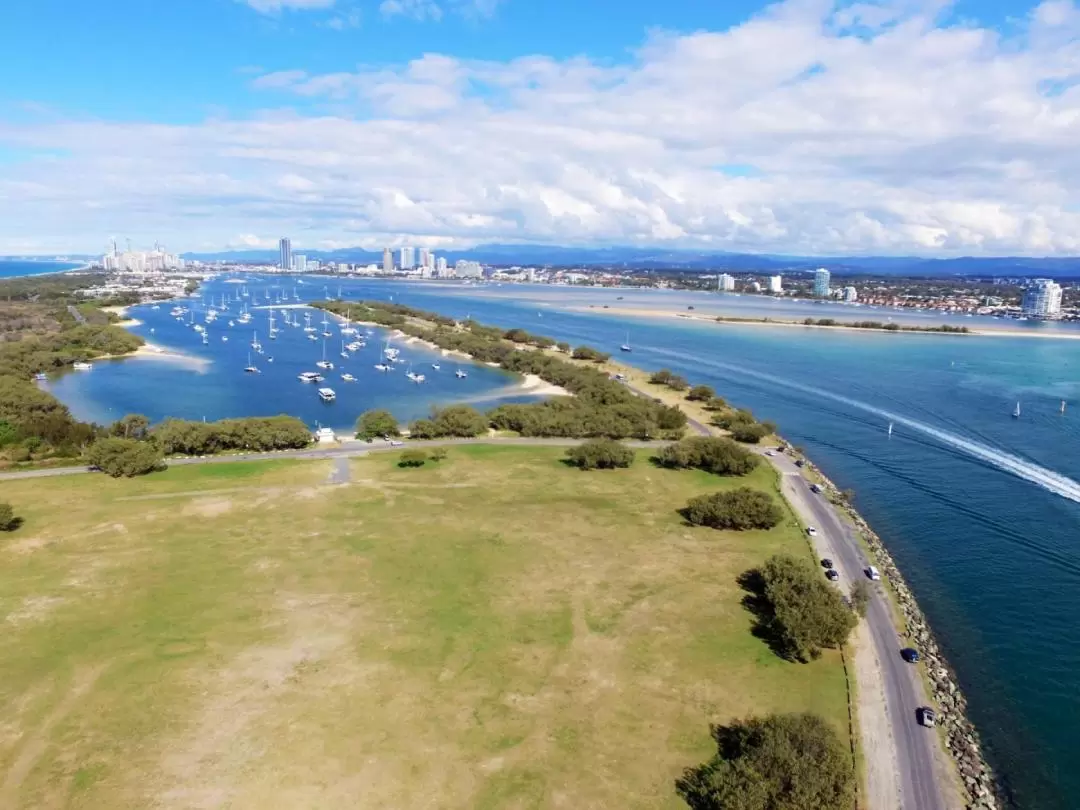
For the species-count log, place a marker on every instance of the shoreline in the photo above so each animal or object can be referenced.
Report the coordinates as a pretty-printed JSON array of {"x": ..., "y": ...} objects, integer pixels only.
[{"x": 980, "y": 331}]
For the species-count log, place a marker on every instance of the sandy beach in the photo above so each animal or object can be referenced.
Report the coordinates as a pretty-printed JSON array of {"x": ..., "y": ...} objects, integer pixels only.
[
  {"x": 540, "y": 387},
  {"x": 981, "y": 331}
]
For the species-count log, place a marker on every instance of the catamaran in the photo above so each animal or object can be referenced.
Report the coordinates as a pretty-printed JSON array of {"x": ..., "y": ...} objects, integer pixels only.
[
  {"x": 347, "y": 327},
  {"x": 309, "y": 377},
  {"x": 327, "y": 394}
]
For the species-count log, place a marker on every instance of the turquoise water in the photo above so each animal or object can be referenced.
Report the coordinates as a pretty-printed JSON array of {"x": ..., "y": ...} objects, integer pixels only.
[
  {"x": 980, "y": 510},
  {"x": 11, "y": 269}
]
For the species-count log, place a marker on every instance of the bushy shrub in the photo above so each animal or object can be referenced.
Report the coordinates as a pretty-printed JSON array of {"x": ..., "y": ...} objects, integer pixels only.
[
  {"x": 125, "y": 457},
  {"x": 749, "y": 432},
  {"x": 701, "y": 393},
  {"x": 459, "y": 420},
  {"x": 423, "y": 429},
  {"x": 257, "y": 433},
  {"x": 720, "y": 456},
  {"x": 600, "y": 454},
  {"x": 413, "y": 458},
  {"x": 8, "y": 521},
  {"x": 739, "y": 509},
  {"x": 589, "y": 353}
]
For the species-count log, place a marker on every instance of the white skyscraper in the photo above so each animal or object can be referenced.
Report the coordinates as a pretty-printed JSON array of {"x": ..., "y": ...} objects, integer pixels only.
[
  {"x": 1042, "y": 299},
  {"x": 821, "y": 282},
  {"x": 776, "y": 284},
  {"x": 725, "y": 282},
  {"x": 387, "y": 261},
  {"x": 299, "y": 262},
  {"x": 851, "y": 295},
  {"x": 407, "y": 257},
  {"x": 440, "y": 266}
]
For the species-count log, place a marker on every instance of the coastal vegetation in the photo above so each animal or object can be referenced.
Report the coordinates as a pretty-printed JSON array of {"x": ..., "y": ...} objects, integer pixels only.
[
  {"x": 546, "y": 631},
  {"x": 600, "y": 405},
  {"x": 256, "y": 434},
  {"x": 413, "y": 458},
  {"x": 739, "y": 509},
  {"x": 375, "y": 424},
  {"x": 778, "y": 762},
  {"x": 600, "y": 454},
  {"x": 458, "y": 421},
  {"x": 668, "y": 378}
]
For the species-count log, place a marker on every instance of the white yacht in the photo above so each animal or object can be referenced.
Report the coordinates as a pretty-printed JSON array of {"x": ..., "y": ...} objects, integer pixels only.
[
  {"x": 436, "y": 366},
  {"x": 83, "y": 366},
  {"x": 324, "y": 363},
  {"x": 309, "y": 376},
  {"x": 250, "y": 368},
  {"x": 348, "y": 377},
  {"x": 327, "y": 394},
  {"x": 382, "y": 367}
]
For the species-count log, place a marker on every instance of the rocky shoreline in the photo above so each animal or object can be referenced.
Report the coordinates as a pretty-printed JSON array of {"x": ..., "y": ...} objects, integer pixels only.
[{"x": 961, "y": 738}]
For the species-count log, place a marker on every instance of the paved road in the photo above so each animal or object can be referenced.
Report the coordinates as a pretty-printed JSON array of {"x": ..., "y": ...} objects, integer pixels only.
[
  {"x": 345, "y": 450},
  {"x": 78, "y": 316},
  {"x": 918, "y": 754}
]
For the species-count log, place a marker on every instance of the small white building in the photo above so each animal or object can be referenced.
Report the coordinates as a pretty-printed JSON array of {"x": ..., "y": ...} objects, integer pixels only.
[
  {"x": 776, "y": 284},
  {"x": 851, "y": 295},
  {"x": 325, "y": 435}
]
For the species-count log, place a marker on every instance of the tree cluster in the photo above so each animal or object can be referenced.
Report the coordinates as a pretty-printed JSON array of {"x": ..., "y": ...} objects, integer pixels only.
[
  {"x": 778, "y": 762},
  {"x": 600, "y": 454},
  {"x": 740, "y": 509},
  {"x": 742, "y": 425},
  {"x": 125, "y": 457},
  {"x": 375, "y": 424},
  {"x": 591, "y": 354},
  {"x": 807, "y": 614},
  {"x": 257, "y": 434},
  {"x": 666, "y": 377},
  {"x": 717, "y": 455},
  {"x": 459, "y": 421}
]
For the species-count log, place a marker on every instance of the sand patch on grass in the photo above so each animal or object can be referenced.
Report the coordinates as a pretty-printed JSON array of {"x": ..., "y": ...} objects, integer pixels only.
[
  {"x": 208, "y": 507},
  {"x": 34, "y": 609}
]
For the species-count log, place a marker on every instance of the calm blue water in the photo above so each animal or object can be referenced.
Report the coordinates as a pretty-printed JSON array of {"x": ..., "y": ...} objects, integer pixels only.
[
  {"x": 981, "y": 511},
  {"x": 10, "y": 268}
]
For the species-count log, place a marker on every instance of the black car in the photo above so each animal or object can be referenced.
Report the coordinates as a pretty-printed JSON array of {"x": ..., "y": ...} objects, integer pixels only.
[
  {"x": 832, "y": 575},
  {"x": 826, "y": 563},
  {"x": 815, "y": 489},
  {"x": 926, "y": 716},
  {"x": 910, "y": 655},
  {"x": 799, "y": 463}
]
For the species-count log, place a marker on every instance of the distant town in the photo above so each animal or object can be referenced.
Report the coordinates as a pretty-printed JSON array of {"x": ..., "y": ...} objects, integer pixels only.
[{"x": 158, "y": 273}]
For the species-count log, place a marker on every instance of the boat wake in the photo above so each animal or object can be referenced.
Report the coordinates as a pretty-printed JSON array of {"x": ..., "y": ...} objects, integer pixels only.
[{"x": 1040, "y": 476}]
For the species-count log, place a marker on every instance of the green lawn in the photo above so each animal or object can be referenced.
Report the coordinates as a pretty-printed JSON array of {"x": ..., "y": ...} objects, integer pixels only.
[{"x": 494, "y": 631}]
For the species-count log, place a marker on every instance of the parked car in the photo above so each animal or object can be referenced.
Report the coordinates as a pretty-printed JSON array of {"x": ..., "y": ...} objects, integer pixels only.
[
  {"x": 873, "y": 573},
  {"x": 810, "y": 530},
  {"x": 815, "y": 489},
  {"x": 396, "y": 443},
  {"x": 910, "y": 654},
  {"x": 826, "y": 563},
  {"x": 926, "y": 716},
  {"x": 832, "y": 575},
  {"x": 800, "y": 463},
  {"x": 770, "y": 453}
]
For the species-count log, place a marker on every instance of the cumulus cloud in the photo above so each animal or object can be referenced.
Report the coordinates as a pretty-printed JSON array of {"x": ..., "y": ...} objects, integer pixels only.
[{"x": 872, "y": 128}]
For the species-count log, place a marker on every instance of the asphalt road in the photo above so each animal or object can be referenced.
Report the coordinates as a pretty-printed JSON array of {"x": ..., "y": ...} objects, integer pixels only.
[{"x": 918, "y": 750}]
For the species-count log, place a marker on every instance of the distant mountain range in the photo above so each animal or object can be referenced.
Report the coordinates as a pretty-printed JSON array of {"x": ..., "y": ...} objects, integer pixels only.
[{"x": 632, "y": 258}]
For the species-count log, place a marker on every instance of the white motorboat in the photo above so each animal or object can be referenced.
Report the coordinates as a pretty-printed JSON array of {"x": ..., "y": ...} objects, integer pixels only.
[
  {"x": 309, "y": 376},
  {"x": 382, "y": 367},
  {"x": 348, "y": 377},
  {"x": 83, "y": 366},
  {"x": 436, "y": 366},
  {"x": 461, "y": 374},
  {"x": 327, "y": 394}
]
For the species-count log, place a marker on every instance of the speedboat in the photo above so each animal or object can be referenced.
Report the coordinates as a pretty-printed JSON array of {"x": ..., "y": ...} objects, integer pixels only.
[
  {"x": 436, "y": 366},
  {"x": 348, "y": 378}
]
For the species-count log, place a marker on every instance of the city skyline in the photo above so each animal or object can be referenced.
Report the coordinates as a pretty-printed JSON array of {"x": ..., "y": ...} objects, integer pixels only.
[{"x": 797, "y": 128}]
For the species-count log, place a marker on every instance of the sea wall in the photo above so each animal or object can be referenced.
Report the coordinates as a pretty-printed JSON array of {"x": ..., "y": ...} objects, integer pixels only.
[{"x": 961, "y": 738}]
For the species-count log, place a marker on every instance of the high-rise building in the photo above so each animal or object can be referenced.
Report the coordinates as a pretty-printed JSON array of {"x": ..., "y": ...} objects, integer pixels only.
[
  {"x": 440, "y": 265},
  {"x": 466, "y": 269},
  {"x": 425, "y": 257},
  {"x": 851, "y": 295},
  {"x": 407, "y": 258},
  {"x": 285, "y": 251},
  {"x": 821, "y": 282},
  {"x": 725, "y": 282},
  {"x": 387, "y": 260},
  {"x": 776, "y": 284},
  {"x": 1042, "y": 299},
  {"x": 299, "y": 261}
]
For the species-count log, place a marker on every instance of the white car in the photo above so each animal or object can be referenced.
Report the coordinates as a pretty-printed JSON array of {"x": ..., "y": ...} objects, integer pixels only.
[
  {"x": 810, "y": 530},
  {"x": 770, "y": 453}
]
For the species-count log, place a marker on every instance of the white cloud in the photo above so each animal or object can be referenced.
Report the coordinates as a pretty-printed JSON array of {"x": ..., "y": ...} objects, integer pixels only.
[
  {"x": 277, "y": 6},
  {"x": 415, "y": 9},
  {"x": 808, "y": 129}
]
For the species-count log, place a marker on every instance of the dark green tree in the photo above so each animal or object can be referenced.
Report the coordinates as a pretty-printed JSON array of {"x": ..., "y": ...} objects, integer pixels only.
[
  {"x": 413, "y": 458},
  {"x": 132, "y": 426},
  {"x": 701, "y": 393},
  {"x": 8, "y": 521},
  {"x": 423, "y": 429},
  {"x": 808, "y": 614},
  {"x": 778, "y": 762},
  {"x": 720, "y": 456},
  {"x": 860, "y": 597},
  {"x": 460, "y": 420}
]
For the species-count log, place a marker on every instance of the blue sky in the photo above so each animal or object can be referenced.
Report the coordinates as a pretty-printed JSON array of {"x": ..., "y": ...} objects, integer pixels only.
[{"x": 913, "y": 126}]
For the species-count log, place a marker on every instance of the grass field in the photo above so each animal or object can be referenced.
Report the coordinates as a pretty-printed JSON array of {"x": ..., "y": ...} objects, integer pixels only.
[{"x": 496, "y": 631}]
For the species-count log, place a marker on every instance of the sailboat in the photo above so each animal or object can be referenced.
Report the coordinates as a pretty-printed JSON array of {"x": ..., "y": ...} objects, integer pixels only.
[
  {"x": 626, "y": 346},
  {"x": 890, "y": 428},
  {"x": 461, "y": 374},
  {"x": 1016, "y": 410},
  {"x": 307, "y": 323},
  {"x": 326, "y": 328},
  {"x": 1063, "y": 406},
  {"x": 250, "y": 368},
  {"x": 324, "y": 363},
  {"x": 273, "y": 329},
  {"x": 344, "y": 353},
  {"x": 255, "y": 343}
]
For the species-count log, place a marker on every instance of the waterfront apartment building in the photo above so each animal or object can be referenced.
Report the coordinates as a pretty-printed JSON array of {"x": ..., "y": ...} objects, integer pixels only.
[
  {"x": 440, "y": 266},
  {"x": 285, "y": 254},
  {"x": 1042, "y": 299},
  {"x": 407, "y": 258},
  {"x": 299, "y": 261},
  {"x": 466, "y": 269},
  {"x": 725, "y": 282},
  {"x": 776, "y": 284},
  {"x": 387, "y": 260},
  {"x": 851, "y": 295},
  {"x": 821, "y": 283}
]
